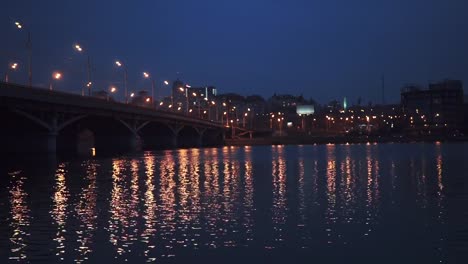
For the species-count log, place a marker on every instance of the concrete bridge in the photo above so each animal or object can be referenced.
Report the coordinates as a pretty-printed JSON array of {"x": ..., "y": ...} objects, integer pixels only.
[{"x": 40, "y": 120}]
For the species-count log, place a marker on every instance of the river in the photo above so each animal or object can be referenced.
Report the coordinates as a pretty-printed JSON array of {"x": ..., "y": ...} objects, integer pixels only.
[{"x": 361, "y": 203}]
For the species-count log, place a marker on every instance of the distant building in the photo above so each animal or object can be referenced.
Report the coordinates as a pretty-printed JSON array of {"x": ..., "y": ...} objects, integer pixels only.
[
  {"x": 208, "y": 93},
  {"x": 285, "y": 103},
  {"x": 196, "y": 97},
  {"x": 256, "y": 103},
  {"x": 440, "y": 106}
]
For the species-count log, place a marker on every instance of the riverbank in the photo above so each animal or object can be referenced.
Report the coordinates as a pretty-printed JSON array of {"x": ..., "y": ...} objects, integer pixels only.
[{"x": 310, "y": 140}]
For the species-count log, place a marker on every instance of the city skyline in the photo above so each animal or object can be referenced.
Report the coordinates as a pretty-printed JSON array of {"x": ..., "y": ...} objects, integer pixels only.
[{"x": 322, "y": 50}]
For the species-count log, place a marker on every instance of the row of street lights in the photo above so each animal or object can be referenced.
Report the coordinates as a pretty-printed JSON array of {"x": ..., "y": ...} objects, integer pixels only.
[{"x": 57, "y": 75}]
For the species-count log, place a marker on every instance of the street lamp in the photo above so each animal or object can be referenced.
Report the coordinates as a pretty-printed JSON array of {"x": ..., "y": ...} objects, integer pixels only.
[
  {"x": 148, "y": 76},
  {"x": 79, "y": 49},
  {"x": 29, "y": 47},
  {"x": 213, "y": 103},
  {"x": 172, "y": 91},
  {"x": 243, "y": 119},
  {"x": 222, "y": 118},
  {"x": 12, "y": 66},
  {"x": 185, "y": 89},
  {"x": 119, "y": 64},
  {"x": 55, "y": 76},
  {"x": 112, "y": 90}
]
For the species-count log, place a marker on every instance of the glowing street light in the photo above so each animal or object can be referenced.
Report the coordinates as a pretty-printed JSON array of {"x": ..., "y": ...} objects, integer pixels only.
[
  {"x": 148, "y": 76},
  {"x": 185, "y": 89},
  {"x": 29, "y": 47},
  {"x": 172, "y": 91},
  {"x": 79, "y": 49},
  {"x": 243, "y": 119},
  {"x": 120, "y": 65},
  {"x": 112, "y": 90},
  {"x": 12, "y": 66},
  {"x": 55, "y": 76}
]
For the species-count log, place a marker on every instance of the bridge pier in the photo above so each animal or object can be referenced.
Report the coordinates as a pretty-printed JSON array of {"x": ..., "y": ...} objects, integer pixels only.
[
  {"x": 50, "y": 143},
  {"x": 200, "y": 140},
  {"x": 174, "y": 141},
  {"x": 201, "y": 132},
  {"x": 134, "y": 143}
]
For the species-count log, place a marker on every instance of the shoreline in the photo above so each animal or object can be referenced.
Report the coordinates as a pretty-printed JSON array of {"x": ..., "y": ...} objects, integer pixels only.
[{"x": 338, "y": 140}]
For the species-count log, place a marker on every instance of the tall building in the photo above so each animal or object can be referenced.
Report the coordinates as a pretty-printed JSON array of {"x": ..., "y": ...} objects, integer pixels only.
[{"x": 439, "y": 106}]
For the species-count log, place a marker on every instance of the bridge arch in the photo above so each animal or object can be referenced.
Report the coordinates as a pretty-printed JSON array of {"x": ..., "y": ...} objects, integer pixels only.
[
  {"x": 98, "y": 133},
  {"x": 190, "y": 137},
  {"x": 159, "y": 135}
]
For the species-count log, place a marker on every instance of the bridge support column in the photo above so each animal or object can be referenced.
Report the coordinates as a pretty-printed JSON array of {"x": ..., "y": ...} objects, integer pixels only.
[
  {"x": 200, "y": 132},
  {"x": 134, "y": 143},
  {"x": 50, "y": 143},
  {"x": 174, "y": 141},
  {"x": 175, "y": 133}
]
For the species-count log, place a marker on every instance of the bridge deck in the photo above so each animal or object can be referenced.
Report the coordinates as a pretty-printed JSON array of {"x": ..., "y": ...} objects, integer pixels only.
[{"x": 14, "y": 95}]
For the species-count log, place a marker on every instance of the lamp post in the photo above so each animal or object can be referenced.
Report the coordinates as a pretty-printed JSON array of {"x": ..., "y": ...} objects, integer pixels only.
[
  {"x": 172, "y": 91},
  {"x": 112, "y": 90},
  {"x": 251, "y": 116},
  {"x": 280, "y": 124},
  {"x": 243, "y": 119},
  {"x": 213, "y": 103},
  {"x": 197, "y": 102},
  {"x": 12, "y": 66},
  {"x": 226, "y": 113},
  {"x": 29, "y": 47},
  {"x": 184, "y": 90},
  {"x": 119, "y": 64},
  {"x": 148, "y": 76},
  {"x": 79, "y": 49},
  {"x": 55, "y": 76},
  {"x": 222, "y": 118}
]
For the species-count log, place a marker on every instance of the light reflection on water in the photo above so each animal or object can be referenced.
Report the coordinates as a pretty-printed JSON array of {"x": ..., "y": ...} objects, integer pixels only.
[
  {"x": 159, "y": 206},
  {"x": 60, "y": 210},
  {"x": 20, "y": 216}
]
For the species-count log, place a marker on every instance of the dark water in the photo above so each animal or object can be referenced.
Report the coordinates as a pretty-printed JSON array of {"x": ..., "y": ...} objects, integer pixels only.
[{"x": 381, "y": 203}]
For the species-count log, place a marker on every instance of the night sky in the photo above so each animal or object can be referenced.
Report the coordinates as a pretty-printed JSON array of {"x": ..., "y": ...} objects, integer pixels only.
[{"x": 324, "y": 49}]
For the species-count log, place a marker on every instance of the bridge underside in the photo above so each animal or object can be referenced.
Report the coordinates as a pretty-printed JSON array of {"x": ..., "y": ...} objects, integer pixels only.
[{"x": 88, "y": 134}]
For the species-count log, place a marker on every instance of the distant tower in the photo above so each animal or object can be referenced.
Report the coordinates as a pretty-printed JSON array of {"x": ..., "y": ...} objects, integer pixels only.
[{"x": 345, "y": 104}]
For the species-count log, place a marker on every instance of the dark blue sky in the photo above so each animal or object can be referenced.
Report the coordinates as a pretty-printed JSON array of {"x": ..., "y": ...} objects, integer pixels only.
[{"x": 324, "y": 49}]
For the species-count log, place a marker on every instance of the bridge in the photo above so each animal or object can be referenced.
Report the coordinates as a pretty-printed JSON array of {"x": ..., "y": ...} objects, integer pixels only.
[{"x": 40, "y": 120}]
